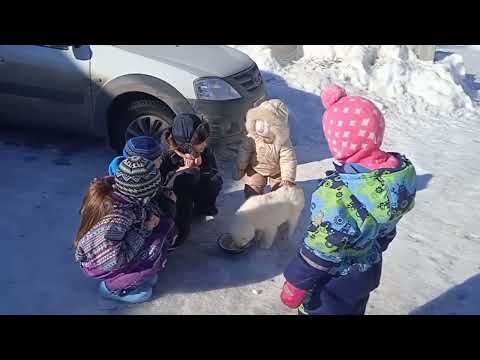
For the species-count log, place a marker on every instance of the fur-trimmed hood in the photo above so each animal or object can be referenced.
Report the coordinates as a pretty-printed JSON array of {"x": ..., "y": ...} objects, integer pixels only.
[
  {"x": 275, "y": 115},
  {"x": 269, "y": 119}
]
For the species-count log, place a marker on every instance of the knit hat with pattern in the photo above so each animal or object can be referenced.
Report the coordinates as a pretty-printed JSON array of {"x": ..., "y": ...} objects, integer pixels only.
[
  {"x": 354, "y": 129},
  {"x": 145, "y": 146},
  {"x": 137, "y": 177}
]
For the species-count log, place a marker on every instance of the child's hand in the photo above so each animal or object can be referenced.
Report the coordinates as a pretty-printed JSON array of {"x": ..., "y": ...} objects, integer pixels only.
[
  {"x": 188, "y": 161},
  {"x": 287, "y": 183},
  {"x": 198, "y": 161},
  {"x": 152, "y": 222},
  {"x": 292, "y": 296}
]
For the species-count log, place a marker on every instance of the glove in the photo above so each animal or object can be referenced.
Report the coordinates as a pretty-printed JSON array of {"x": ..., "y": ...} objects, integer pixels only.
[{"x": 292, "y": 296}]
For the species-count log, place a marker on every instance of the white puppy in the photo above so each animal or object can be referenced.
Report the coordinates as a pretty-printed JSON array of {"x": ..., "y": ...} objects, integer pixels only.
[{"x": 261, "y": 215}]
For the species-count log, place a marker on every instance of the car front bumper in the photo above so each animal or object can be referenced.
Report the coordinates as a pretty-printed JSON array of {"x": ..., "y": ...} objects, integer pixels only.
[{"x": 227, "y": 118}]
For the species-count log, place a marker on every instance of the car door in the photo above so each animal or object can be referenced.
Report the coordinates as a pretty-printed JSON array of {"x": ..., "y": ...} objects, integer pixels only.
[{"x": 46, "y": 86}]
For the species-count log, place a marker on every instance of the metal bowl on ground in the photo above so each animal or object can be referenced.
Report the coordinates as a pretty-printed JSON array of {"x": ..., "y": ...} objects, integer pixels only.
[{"x": 225, "y": 242}]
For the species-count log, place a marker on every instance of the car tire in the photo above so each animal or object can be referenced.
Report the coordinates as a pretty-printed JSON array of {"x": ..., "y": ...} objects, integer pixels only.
[{"x": 139, "y": 117}]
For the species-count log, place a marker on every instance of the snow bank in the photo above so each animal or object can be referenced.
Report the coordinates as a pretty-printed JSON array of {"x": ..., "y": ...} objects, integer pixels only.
[{"x": 389, "y": 73}]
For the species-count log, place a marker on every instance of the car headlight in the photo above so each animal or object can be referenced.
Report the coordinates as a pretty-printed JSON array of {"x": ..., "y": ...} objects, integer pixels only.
[{"x": 214, "y": 89}]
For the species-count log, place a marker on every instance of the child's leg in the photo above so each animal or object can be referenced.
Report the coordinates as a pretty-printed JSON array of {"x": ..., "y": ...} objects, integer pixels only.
[
  {"x": 126, "y": 282},
  {"x": 183, "y": 217},
  {"x": 311, "y": 302},
  {"x": 254, "y": 183},
  {"x": 184, "y": 187},
  {"x": 345, "y": 295},
  {"x": 163, "y": 237},
  {"x": 132, "y": 286},
  {"x": 166, "y": 204},
  {"x": 134, "y": 296},
  {"x": 206, "y": 195},
  {"x": 150, "y": 260}
]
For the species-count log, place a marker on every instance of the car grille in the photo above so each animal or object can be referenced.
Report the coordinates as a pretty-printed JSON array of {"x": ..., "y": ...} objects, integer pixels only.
[{"x": 249, "y": 79}]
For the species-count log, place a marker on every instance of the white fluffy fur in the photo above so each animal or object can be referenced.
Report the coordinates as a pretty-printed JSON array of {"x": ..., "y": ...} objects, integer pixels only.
[{"x": 262, "y": 215}]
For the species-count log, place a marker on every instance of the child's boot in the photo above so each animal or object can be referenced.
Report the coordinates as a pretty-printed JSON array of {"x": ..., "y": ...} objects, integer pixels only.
[
  {"x": 135, "y": 296},
  {"x": 252, "y": 190}
]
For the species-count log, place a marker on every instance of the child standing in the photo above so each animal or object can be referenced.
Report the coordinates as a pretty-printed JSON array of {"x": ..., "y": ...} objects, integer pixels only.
[
  {"x": 119, "y": 240},
  {"x": 355, "y": 210},
  {"x": 190, "y": 169},
  {"x": 266, "y": 155}
]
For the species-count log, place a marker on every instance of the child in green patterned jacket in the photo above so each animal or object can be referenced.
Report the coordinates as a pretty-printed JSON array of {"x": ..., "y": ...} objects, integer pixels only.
[{"x": 355, "y": 210}]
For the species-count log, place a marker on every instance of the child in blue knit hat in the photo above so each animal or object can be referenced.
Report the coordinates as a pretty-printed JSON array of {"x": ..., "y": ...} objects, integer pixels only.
[
  {"x": 144, "y": 146},
  {"x": 148, "y": 148}
]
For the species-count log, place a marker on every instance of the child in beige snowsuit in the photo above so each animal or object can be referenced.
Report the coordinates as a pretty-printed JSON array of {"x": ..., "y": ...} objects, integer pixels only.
[{"x": 266, "y": 155}]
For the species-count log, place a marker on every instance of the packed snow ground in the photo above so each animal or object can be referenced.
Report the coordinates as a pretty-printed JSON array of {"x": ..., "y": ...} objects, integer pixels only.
[{"x": 432, "y": 266}]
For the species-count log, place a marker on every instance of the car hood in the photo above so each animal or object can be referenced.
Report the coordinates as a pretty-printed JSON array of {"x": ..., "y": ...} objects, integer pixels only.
[{"x": 200, "y": 60}]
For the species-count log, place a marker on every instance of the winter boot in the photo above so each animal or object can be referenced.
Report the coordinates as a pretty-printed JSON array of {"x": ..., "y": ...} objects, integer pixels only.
[
  {"x": 140, "y": 294},
  {"x": 250, "y": 191}
]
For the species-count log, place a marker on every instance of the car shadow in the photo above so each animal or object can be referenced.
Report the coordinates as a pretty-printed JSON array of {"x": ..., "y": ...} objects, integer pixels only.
[
  {"x": 463, "y": 299},
  {"x": 48, "y": 175},
  {"x": 63, "y": 144}
]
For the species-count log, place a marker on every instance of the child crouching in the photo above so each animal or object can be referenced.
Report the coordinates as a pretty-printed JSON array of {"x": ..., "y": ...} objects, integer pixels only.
[
  {"x": 151, "y": 149},
  {"x": 120, "y": 240}
]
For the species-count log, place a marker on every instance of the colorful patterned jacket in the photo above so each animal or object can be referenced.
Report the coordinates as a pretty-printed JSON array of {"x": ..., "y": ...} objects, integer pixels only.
[
  {"x": 354, "y": 216},
  {"x": 116, "y": 241}
]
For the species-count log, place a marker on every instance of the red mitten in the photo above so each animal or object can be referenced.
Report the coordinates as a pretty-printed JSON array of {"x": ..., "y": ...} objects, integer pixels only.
[{"x": 292, "y": 296}]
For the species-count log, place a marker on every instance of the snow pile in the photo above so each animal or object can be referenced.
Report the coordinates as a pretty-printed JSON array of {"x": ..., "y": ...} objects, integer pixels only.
[{"x": 389, "y": 73}]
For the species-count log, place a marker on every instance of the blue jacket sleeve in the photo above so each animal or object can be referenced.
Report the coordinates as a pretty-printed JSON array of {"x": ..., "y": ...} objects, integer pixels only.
[
  {"x": 303, "y": 276},
  {"x": 384, "y": 241}
]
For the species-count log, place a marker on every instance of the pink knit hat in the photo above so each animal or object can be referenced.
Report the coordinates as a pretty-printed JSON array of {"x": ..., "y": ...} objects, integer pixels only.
[{"x": 354, "y": 128}]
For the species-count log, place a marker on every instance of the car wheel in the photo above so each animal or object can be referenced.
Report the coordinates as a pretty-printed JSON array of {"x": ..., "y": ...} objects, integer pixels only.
[{"x": 140, "y": 118}]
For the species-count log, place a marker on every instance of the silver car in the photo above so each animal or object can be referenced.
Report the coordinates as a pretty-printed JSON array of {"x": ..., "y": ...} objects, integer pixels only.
[{"x": 117, "y": 92}]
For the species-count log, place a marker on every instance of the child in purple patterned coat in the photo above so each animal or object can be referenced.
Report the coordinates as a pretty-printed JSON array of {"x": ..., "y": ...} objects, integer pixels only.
[{"x": 120, "y": 240}]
